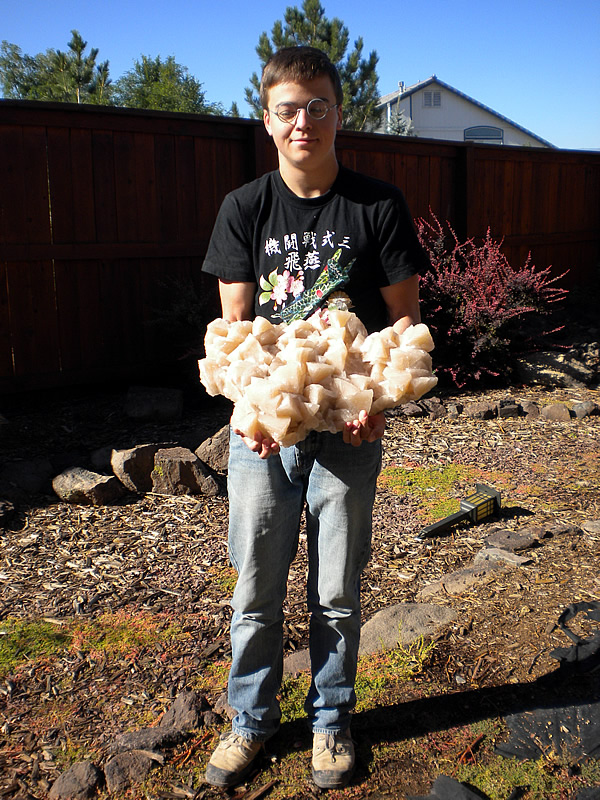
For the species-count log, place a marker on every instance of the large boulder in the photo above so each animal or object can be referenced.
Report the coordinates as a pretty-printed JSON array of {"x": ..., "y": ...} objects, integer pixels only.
[
  {"x": 214, "y": 451},
  {"x": 81, "y": 486},
  {"x": 402, "y": 624},
  {"x": 80, "y": 782},
  {"x": 133, "y": 467},
  {"x": 178, "y": 471}
]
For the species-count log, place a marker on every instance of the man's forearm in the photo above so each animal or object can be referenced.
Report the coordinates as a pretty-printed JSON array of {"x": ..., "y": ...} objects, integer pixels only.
[{"x": 237, "y": 300}]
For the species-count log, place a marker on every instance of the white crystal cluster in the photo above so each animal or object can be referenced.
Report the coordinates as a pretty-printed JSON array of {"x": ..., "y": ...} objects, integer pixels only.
[{"x": 313, "y": 374}]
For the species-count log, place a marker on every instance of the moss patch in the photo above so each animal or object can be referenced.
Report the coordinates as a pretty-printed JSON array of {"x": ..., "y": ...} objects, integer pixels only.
[
  {"x": 435, "y": 491},
  {"x": 22, "y": 640},
  {"x": 122, "y": 633}
]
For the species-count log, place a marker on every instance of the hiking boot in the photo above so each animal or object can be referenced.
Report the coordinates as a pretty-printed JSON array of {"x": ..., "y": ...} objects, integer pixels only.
[
  {"x": 232, "y": 760},
  {"x": 332, "y": 759}
]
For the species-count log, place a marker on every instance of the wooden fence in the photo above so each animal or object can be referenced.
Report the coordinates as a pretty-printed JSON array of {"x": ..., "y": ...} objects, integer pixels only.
[{"x": 105, "y": 216}]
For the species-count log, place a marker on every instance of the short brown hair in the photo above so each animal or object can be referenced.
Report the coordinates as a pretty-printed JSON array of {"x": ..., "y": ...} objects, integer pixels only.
[{"x": 298, "y": 64}]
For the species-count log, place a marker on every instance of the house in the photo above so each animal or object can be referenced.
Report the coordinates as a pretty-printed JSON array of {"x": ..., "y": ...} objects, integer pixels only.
[{"x": 436, "y": 110}]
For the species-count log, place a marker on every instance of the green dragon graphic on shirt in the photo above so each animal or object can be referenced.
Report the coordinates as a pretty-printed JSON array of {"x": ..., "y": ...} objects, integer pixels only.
[{"x": 330, "y": 278}]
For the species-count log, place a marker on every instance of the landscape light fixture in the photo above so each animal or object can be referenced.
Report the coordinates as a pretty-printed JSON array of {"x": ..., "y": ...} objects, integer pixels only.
[{"x": 485, "y": 502}]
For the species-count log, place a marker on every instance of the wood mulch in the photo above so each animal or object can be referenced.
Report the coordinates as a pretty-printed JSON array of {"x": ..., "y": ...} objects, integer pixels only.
[{"x": 166, "y": 557}]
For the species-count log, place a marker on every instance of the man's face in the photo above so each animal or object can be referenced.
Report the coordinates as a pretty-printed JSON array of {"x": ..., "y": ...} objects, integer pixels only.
[{"x": 305, "y": 143}]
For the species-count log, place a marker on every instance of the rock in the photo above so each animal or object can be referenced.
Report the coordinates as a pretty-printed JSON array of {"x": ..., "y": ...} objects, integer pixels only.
[
  {"x": 80, "y": 782},
  {"x": 178, "y": 471},
  {"x": 508, "y": 408},
  {"x": 496, "y": 555},
  {"x": 511, "y": 540},
  {"x": 459, "y": 581},
  {"x": 559, "y": 529},
  {"x": 431, "y": 403},
  {"x": 481, "y": 410},
  {"x": 133, "y": 467},
  {"x": 214, "y": 451},
  {"x": 402, "y": 624},
  {"x": 32, "y": 476},
  {"x": 530, "y": 409},
  {"x": 551, "y": 368},
  {"x": 591, "y": 527},
  {"x": 446, "y": 788},
  {"x": 153, "y": 403},
  {"x": 129, "y": 768},
  {"x": 223, "y": 708},
  {"x": 412, "y": 409},
  {"x": 556, "y": 412},
  {"x": 296, "y": 662},
  {"x": 455, "y": 409},
  {"x": 437, "y": 412},
  {"x": 87, "y": 488},
  {"x": 151, "y": 739},
  {"x": 586, "y": 409},
  {"x": 209, "y": 718},
  {"x": 186, "y": 713}
]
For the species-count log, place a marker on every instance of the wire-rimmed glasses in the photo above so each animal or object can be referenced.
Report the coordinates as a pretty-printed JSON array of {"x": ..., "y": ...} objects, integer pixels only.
[{"x": 315, "y": 108}]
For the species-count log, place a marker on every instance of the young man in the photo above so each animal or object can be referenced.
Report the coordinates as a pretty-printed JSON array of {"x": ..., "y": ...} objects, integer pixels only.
[{"x": 273, "y": 240}]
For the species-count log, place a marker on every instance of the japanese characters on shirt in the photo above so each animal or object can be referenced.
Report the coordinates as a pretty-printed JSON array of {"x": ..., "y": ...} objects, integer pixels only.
[{"x": 306, "y": 267}]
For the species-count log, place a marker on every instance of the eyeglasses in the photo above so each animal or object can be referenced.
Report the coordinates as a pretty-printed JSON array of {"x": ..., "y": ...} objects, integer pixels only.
[{"x": 315, "y": 108}]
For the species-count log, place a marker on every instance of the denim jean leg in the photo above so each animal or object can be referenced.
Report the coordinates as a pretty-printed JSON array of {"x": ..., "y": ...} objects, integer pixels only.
[
  {"x": 265, "y": 505},
  {"x": 339, "y": 501}
]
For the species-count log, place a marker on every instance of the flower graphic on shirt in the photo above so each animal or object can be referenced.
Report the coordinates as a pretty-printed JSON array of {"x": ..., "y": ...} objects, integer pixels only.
[
  {"x": 297, "y": 285},
  {"x": 277, "y": 287},
  {"x": 281, "y": 288}
]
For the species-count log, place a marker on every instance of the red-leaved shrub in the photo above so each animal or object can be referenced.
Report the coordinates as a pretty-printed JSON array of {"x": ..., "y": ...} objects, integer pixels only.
[{"x": 473, "y": 300}]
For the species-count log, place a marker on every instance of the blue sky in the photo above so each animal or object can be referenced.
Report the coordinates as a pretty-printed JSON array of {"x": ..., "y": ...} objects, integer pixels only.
[{"x": 537, "y": 62}]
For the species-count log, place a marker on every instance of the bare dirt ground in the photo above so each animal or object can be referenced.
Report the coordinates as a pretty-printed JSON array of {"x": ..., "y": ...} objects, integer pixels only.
[{"x": 161, "y": 562}]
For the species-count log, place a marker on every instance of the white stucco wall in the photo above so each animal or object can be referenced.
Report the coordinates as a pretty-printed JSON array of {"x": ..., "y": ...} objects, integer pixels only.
[{"x": 455, "y": 114}]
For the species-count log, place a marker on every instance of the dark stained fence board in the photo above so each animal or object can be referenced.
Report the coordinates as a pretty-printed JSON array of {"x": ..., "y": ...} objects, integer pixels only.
[
  {"x": 146, "y": 187},
  {"x": 206, "y": 205},
  {"x": 126, "y": 191},
  {"x": 186, "y": 188},
  {"x": 70, "y": 304},
  {"x": 105, "y": 206},
  {"x": 82, "y": 177},
  {"x": 164, "y": 168},
  {"x": 61, "y": 180},
  {"x": 35, "y": 174},
  {"x": 34, "y": 334},
  {"x": 6, "y": 358}
]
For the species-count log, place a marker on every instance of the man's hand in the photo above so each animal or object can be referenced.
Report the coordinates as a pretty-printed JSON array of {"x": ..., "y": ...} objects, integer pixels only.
[
  {"x": 260, "y": 444},
  {"x": 365, "y": 428}
]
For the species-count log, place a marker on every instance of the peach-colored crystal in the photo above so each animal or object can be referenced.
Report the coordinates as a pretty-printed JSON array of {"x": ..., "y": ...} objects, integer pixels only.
[{"x": 314, "y": 374}]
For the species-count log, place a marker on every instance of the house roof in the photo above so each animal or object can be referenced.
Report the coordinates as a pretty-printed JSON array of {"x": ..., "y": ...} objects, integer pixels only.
[{"x": 387, "y": 98}]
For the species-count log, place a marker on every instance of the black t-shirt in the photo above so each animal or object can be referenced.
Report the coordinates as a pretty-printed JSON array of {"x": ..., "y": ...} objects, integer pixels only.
[{"x": 357, "y": 237}]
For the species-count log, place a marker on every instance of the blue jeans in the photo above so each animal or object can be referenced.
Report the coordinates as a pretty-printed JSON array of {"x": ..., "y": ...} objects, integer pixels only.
[{"x": 266, "y": 498}]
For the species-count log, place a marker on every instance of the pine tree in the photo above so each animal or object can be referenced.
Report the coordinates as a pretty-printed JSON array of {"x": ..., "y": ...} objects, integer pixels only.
[
  {"x": 399, "y": 124},
  {"x": 310, "y": 26},
  {"x": 162, "y": 85},
  {"x": 69, "y": 77}
]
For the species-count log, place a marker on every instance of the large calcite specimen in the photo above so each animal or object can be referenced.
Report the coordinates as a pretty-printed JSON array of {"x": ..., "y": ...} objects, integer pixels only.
[{"x": 313, "y": 374}]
